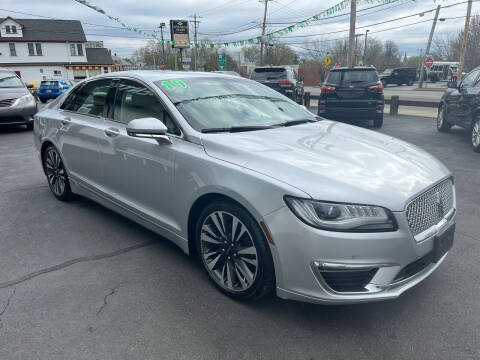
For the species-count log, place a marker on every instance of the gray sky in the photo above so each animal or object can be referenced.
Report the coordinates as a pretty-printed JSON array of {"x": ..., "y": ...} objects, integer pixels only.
[{"x": 219, "y": 18}]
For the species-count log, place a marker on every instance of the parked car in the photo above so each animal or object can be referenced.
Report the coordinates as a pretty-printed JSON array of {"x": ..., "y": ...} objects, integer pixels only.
[
  {"x": 266, "y": 194},
  {"x": 17, "y": 105},
  {"x": 352, "y": 94},
  {"x": 398, "y": 76},
  {"x": 460, "y": 105},
  {"x": 282, "y": 79},
  {"x": 51, "y": 89}
]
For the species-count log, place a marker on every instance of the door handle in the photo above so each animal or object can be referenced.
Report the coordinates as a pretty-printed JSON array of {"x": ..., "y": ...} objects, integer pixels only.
[
  {"x": 112, "y": 132},
  {"x": 66, "y": 120}
]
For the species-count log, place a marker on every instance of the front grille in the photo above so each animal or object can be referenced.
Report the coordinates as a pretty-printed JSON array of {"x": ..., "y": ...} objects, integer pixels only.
[
  {"x": 348, "y": 281},
  {"x": 430, "y": 207},
  {"x": 7, "y": 102}
]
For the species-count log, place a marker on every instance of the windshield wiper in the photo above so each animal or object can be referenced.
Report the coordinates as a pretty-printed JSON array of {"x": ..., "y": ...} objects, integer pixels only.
[
  {"x": 237, "y": 128},
  {"x": 297, "y": 122}
]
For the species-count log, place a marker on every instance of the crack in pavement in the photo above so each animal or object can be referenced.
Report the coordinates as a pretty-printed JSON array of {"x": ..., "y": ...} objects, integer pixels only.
[
  {"x": 4, "y": 310},
  {"x": 112, "y": 292},
  {"x": 72, "y": 262}
]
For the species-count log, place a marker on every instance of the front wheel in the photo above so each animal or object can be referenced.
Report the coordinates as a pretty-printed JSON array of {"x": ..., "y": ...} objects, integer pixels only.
[
  {"x": 476, "y": 134},
  {"x": 56, "y": 174},
  {"x": 234, "y": 252},
  {"x": 442, "y": 124}
]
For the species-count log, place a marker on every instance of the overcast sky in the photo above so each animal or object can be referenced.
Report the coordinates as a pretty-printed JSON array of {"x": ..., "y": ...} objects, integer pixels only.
[{"x": 221, "y": 20}]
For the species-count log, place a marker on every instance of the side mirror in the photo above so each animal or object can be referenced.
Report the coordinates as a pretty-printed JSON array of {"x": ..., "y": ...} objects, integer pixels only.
[
  {"x": 452, "y": 84},
  {"x": 29, "y": 86},
  {"x": 149, "y": 128}
]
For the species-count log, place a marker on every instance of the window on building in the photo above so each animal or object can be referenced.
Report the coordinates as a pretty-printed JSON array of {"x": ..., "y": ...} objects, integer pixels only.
[
  {"x": 14, "y": 29},
  {"x": 57, "y": 72},
  {"x": 8, "y": 29},
  {"x": 73, "y": 50},
  {"x": 79, "y": 50},
  {"x": 31, "y": 50},
  {"x": 38, "y": 48},
  {"x": 13, "y": 51}
]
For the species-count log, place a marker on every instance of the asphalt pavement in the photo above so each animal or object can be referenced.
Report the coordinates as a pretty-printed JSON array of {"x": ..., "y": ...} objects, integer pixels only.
[{"x": 78, "y": 281}]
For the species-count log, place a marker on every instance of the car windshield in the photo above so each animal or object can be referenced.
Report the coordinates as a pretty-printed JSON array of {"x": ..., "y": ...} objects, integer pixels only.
[
  {"x": 388, "y": 71},
  {"x": 268, "y": 74},
  {"x": 10, "y": 80},
  {"x": 214, "y": 103}
]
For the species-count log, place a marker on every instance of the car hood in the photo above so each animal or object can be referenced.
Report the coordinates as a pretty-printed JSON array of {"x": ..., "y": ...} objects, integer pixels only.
[
  {"x": 10, "y": 93},
  {"x": 333, "y": 161}
]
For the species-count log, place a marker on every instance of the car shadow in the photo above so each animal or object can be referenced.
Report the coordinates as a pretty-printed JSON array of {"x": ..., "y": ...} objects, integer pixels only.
[{"x": 12, "y": 129}]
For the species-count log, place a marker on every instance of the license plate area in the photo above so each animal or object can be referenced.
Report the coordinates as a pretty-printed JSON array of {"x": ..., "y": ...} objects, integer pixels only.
[{"x": 443, "y": 243}]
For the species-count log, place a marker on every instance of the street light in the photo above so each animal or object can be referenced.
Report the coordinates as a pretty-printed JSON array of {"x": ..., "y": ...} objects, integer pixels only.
[{"x": 365, "y": 47}]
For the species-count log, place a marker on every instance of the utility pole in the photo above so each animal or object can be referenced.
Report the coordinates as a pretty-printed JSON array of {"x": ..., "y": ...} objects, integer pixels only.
[
  {"x": 351, "y": 39},
  {"x": 195, "y": 36},
  {"x": 356, "y": 49},
  {"x": 365, "y": 48},
  {"x": 427, "y": 51},
  {"x": 263, "y": 31},
  {"x": 464, "y": 42},
  {"x": 162, "y": 25}
]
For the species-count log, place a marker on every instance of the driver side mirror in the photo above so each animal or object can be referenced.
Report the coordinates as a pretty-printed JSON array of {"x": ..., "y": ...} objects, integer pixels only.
[
  {"x": 452, "y": 84},
  {"x": 148, "y": 128}
]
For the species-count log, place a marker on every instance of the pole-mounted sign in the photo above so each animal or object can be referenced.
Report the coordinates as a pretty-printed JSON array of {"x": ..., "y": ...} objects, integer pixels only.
[
  {"x": 327, "y": 60},
  {"x": 429, "y": 62},
  {"x": 179, "y": 33},
  {"x": 222, "y": 61}
]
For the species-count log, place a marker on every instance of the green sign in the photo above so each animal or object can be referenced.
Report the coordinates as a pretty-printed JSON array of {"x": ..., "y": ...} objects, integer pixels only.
[{"x": 222, "y": 61}]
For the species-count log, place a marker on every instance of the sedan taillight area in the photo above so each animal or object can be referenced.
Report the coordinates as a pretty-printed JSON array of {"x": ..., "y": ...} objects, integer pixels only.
[
  {"x": 328, "y": 89},
  {"x": 285, "y": 82},
  {"x": 378, "y": 88}
]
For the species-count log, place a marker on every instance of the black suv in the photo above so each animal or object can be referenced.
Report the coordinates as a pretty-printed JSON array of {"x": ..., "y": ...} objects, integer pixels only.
[
  {"x": 398, "y": 76},
  {"x": 460, "y": 105},
  {"x": 282, "y": 79},
  {"x": 352, "y": 94}
]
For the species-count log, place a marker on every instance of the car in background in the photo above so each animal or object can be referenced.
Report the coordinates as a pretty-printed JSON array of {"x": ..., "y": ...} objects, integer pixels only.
[
  {"x": 352, "y": 94},
  {"x": 398, "y": 76},
  {"x": 226, "y": 72},
  {"x": 17, "y": 105},
  {"x": 282, "y": 79},
  {"x": 51, "y": 89},
  {"x": 460, "y": 105}
]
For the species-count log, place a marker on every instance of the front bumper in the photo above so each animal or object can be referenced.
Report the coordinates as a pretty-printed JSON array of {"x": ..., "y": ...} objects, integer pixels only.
[
  {"x": 346, "y": 113},
  {"x": 16, "y": 114},
  {"x": 301, "y": 253}
]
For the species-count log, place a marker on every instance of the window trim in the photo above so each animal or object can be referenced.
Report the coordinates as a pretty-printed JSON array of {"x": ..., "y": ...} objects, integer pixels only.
[
  {"x": 38, "y": 46},
  {"x": 33, "y": 49},
  {"x": 181, "y": 136},
  {"x": 14, "y": 48},
  {"x": 8, "y": 29}
]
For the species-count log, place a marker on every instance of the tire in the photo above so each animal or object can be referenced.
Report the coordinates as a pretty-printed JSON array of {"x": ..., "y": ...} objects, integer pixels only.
[
  {"x": 384, "y": 83},
  {"x": 241, "y": 265},
  {"x": 476, "y": 134},
  {"x": 29, "y": 125},
  {"x": 410, "y": 82},
  {"x": 57, "y": 177},
  {"x": 378, "y": 122},
  {"x": 442, "y": 124},
  {"x": 43, "y": 100}
]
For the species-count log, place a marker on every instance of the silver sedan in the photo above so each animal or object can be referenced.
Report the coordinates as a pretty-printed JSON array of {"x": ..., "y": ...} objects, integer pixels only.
[{"x": 270, "y": 197}]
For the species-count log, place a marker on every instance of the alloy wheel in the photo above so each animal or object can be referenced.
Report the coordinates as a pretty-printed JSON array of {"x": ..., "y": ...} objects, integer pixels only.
[
  {"x": 440, "y": 118},
  {"x": 55, "y": 171},
  {"x": 476, "y": 134},
  {"x": 228, "y": 251}
]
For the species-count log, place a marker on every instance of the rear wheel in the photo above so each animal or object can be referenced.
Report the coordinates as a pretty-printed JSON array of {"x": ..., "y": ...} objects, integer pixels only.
[
  {"x": 233, "y": 251},
  {"x": 43, "y": 100},
  {"x": 476, "y": 134},
  {"x": 442, "y": 124},
  {"x": 410, "y": 82},
  {"x": 378, "y": 122},
  {"x": 56, "y": 174}
]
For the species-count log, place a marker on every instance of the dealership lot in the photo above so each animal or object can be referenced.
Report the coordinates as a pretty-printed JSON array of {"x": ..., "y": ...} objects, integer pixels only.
[{"x": 81, "y": 282}]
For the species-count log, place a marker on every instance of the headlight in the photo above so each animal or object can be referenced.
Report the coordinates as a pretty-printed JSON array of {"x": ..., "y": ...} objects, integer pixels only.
[
  {"x": 342, "y": 217},
  {"x": 25, "y": 100}
]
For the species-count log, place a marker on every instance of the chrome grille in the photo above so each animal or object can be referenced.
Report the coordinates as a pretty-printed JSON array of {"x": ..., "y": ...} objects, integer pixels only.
[
  {"x": 7, "y": 102},
  {"x": 428, "y": 208}
]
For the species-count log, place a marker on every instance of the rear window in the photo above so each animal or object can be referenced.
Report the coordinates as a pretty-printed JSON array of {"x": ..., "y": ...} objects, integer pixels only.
[
  {"x": 268, "y": 74},
  {"x": 352, "y": 77},
  {"x": 49, "y": 83}
]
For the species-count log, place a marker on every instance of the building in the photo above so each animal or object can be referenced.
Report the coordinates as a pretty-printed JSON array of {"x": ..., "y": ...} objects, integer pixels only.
[
  {"x": 121, "y": 64},
  {"x": 39, "y": 49}
]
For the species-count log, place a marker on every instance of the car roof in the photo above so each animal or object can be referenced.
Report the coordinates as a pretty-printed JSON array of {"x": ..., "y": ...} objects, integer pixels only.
[
  {"x": 156, "y": 75},
  {"x": 344, "y": 68}
]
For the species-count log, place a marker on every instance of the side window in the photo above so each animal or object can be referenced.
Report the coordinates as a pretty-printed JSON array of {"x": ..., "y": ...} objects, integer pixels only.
[
  {"x": 90, "y": 100},
  {"x": 135, "y": 101},
  {"x": 469, "y": 79},
  {"x": 70, "y": 100}
]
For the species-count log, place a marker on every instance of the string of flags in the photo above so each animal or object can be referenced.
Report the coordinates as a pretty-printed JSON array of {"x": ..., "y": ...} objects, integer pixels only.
[{"x": 333, "y": 10}]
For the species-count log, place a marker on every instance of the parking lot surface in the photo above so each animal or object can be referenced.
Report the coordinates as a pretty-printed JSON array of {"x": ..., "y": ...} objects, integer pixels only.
[{"x": 78, "y": 281}]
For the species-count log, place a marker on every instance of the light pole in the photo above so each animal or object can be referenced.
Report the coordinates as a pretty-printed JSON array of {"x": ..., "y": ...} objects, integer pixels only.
[{"x": 365, "y": 48}]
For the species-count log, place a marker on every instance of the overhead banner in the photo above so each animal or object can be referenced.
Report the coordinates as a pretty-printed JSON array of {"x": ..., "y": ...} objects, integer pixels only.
[{"x": 184, "y": 42}]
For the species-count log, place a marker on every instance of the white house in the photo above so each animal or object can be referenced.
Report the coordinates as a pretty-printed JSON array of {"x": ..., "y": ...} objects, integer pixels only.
[{"x": 39, "y": 49}]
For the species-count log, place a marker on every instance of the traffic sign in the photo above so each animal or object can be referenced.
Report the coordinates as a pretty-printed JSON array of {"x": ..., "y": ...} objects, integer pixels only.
[
  {"x": 337, "y": 64},
  {"x": 429, "y": 62},
  {"x": 222, "y": 60},
  {"x": 327, "y": 61}
]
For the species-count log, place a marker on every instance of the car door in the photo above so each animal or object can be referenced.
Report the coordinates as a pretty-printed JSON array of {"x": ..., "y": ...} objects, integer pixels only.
[
  {"x": 458, "y": 101},
  {"x": 137, "y": 173},
  {"x": 467, "y": 100},
  {"x": 81, "y": 118}
]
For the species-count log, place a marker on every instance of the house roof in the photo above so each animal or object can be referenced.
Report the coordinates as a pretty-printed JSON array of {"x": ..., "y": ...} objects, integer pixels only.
[
  {"x": 49, "y": 30},
  {"x": 98, "y": 56}
]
